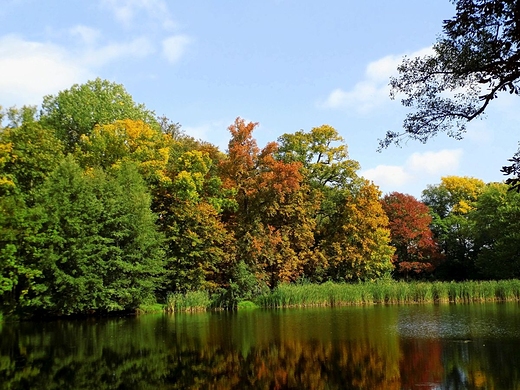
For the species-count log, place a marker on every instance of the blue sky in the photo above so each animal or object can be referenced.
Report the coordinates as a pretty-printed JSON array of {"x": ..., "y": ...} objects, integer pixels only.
[{"x": 287, "y": 64}]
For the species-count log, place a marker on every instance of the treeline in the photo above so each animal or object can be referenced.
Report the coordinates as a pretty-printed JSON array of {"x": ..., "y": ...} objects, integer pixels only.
[{"x": 106, "y": 207}]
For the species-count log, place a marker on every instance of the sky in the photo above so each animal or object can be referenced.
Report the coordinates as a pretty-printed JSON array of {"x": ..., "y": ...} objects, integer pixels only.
[{"x": 287, "y": 64}]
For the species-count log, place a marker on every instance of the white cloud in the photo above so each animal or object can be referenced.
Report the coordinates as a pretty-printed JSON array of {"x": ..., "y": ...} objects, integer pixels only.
[
  {"x": 174, "y": 47},
  {"x": 373, "y": 90},
  {"x": 126, "y": 11},
  {"x": 30, "y": 70},
  {"x": 388, "y": 175},
  {"x": 434, "y": 163},
  {"x": 417, "y": 171},
  {"x": 138, "y": 48}
]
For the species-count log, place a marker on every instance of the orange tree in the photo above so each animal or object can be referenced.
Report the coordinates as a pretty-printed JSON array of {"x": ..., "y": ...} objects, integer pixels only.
[{"x": 272, "y": 226}]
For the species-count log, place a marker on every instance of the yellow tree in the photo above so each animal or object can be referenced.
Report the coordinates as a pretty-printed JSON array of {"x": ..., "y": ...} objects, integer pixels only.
[
  {"x": 78, "y": 110},
  {"x": 351, "y": 235},
  {"x": 356, "y": 242},
  {"x": 107, "y": 146}
]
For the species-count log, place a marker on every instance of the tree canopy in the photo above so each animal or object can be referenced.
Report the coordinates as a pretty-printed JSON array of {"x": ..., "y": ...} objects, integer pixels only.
[
  {"x": 104, "y": 209},
  {"x": 76, "y": 111}
]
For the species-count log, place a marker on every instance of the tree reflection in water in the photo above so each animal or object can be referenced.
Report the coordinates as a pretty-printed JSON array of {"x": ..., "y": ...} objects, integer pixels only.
[{"x": 354, "y": 348}]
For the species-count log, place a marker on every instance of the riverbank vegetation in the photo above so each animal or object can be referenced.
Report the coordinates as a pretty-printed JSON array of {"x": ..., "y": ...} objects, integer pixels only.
[
  {"x": 105, "y": 207},
  {"x": 382, "y": 292}
]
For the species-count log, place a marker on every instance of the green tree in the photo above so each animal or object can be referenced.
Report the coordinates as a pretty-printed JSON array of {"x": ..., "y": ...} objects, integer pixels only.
[
  {"x": 76, "y": 111},
  {"x": 497, "y": 233},
  {"x": 28, "y": 154},
  {"x": 199, "y": 250},
  {"x": 97, "y": 247},
  {"x": 475, "y": 60},
  {"x": 451, "y": 203}
]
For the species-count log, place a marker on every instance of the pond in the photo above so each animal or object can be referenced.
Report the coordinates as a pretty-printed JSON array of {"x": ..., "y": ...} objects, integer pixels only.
[{"x": 373, "y": 347}]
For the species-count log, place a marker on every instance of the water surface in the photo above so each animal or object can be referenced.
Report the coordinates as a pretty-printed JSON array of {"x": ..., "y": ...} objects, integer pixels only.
[{"x": 376, "y": 347}]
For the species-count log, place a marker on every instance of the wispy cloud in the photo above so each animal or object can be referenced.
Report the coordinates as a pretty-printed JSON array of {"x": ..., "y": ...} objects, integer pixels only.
[
  {"x": 373, "y": 89},
  {"x": 418, "y": 168},
  {"x": 101, "y": 55},
  {"x": 127, "y": 11},
  {"x": 388, "y": 175},
  {"x": 156, "y": 13},
  {"x": 88, "y": 36},
  {"x": 174, "y": 47},
  {"x": 29, "y": 70}
]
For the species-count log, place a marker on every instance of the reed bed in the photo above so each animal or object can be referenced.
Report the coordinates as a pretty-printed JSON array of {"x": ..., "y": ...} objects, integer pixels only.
[
  {"x": 190, "y": 301},
  {"x": 367, "y": 293},
  {"x": 389, "y": 292}
]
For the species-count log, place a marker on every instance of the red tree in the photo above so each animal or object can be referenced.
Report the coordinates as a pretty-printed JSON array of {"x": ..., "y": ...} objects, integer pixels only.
[{"x": 416, "y": 250}]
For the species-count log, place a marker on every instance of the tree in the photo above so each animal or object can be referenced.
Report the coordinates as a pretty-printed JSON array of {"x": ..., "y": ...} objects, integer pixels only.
[
  {"x": 477, "y": 58},
  {"x": 409, "y": 223},
  {"x": 451, "y": 203},
  {"x": 28, "y": 154},
  {"x": 271, "y": 224},
  {"x": 199, "y": 250},
  {"x": 497, "y": 233},
  {"x": 107, "y": 146},
  {"x": 356, "y": 240},
  {"x": 351, "y": 239},
  {"x": 76, "y": 111},
  {"x": 97, "y": 248}
]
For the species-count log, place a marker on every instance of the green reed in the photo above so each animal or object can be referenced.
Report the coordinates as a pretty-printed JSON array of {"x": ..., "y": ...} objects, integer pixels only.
[
  {"x": 389, "y": 292},
  {"x": 190, "y": 301}
]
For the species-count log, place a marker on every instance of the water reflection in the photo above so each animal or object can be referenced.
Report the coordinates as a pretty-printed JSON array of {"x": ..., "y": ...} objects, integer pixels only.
[{"x": 433, "y": 347}]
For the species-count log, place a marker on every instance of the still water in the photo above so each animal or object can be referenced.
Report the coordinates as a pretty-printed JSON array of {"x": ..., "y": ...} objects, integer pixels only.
[{"x": 378, "y": 347}]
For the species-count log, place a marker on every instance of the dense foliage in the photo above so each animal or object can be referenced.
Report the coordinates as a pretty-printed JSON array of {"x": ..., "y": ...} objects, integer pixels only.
[
  {"x": 104, "y": 207},
  {"x": 416, "y": 250}
]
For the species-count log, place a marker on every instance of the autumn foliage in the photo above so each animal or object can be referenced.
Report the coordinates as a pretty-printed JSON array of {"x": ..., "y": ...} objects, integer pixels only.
[
  {"x": 416, "y": 251},
  {"x": 104, "y": 207}
]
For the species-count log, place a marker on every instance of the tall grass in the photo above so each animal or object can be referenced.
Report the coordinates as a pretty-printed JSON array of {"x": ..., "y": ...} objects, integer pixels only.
[
  {"x": 367, "y": 293},
  {"x": 190, "y": 301},
  {"x": 389, "y": 292}
]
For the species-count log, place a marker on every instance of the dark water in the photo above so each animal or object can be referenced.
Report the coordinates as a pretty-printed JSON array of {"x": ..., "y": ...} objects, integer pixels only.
[{"x": 381, "y": 347}]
